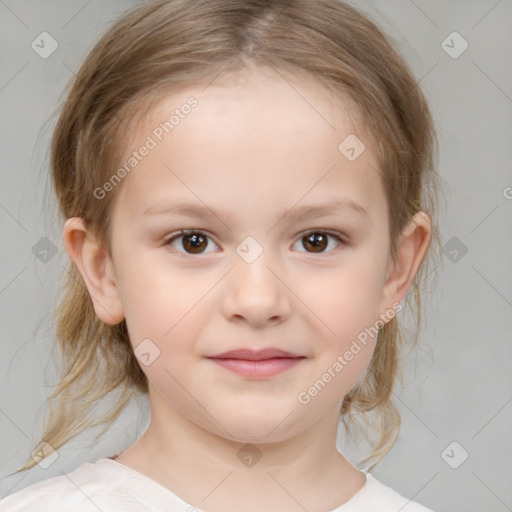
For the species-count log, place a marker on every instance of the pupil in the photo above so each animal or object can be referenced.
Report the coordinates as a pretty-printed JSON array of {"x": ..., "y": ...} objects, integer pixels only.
[
  {"x": 318, "y": 241},
  {"x": 194, "y": 241}
]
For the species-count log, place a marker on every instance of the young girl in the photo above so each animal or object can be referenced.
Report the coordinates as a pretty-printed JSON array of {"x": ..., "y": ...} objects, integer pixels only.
[{"x": 249, "y": 201}]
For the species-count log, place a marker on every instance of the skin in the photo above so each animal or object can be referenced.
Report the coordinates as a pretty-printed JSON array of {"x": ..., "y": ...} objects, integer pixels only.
[{"x": 252, "y": 150}]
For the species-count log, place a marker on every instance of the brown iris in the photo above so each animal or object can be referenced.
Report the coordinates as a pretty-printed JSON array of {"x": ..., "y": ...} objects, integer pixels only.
[
  {"x": 318, "y": 241},
  {"x": 194, "y": 243}
]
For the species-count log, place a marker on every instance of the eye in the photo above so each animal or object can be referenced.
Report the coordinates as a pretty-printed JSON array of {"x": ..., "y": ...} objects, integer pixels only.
[
  {"x": 193, "y": 242},
  {"x": 318, "y": 241}
]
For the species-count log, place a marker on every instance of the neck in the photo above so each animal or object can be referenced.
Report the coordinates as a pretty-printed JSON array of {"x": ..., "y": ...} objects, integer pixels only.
[{"x": 217, "y": 473}]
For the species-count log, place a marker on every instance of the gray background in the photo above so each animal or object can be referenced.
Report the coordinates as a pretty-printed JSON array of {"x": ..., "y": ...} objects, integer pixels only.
[{"x": 458, "y": 384}]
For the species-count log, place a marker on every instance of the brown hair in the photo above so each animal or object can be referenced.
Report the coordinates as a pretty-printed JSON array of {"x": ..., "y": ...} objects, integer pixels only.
[{"x": 169, "y": 45}]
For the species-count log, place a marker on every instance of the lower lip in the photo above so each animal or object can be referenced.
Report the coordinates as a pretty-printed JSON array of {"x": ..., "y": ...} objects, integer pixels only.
[{"x": 262, "y": 368}]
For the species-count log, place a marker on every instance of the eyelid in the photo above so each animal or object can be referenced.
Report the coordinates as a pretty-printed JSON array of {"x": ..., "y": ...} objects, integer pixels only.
[
  {"x": 183, "y": 232},
  {"x": 337, "y": 234},
  {"x": 186, "y": 231},
  {"x": 340, "y": 237}
]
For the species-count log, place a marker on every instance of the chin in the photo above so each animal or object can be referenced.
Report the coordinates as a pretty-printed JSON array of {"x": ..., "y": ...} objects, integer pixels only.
[
  {"x": 258, "y": 437},
  {"x": 265, "y": 428}
]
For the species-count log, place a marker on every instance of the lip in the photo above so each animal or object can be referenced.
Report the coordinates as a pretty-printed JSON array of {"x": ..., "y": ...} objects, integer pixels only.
[
  {"x": 255, "y": 355},
  {"x": 257, "y": 363}
]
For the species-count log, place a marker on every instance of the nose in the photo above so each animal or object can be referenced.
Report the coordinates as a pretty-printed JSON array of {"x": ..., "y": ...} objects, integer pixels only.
[{"x": 256, "y": 292}]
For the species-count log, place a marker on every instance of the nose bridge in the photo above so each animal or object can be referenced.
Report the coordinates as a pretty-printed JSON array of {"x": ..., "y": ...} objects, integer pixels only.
[{"x": 254, "y": 288}]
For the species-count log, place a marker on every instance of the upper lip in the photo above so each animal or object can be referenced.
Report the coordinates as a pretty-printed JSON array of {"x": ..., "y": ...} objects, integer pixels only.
[{"x": 255, "y": 355}]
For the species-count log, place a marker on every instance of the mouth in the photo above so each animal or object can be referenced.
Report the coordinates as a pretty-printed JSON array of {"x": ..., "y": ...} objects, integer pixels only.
[{"x": 257, "y": 364}]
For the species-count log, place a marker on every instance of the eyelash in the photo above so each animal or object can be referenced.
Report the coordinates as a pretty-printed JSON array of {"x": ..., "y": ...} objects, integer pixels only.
[{"x": 184, "y": 232}]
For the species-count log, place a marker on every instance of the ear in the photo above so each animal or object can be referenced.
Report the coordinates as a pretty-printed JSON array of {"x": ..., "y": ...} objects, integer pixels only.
[
  {"x": 411, "y": 248},
  {"x": 96, "y": 267}
]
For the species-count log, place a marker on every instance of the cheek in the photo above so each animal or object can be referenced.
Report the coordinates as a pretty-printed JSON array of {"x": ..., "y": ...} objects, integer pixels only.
[
  {"x": 346, "y": 299},
  {"x": 164, "y": 322},
  {"x": 347, "y": 302},
  {"x": 146, "y": 276},
  {"x": 159, "y": 300}
]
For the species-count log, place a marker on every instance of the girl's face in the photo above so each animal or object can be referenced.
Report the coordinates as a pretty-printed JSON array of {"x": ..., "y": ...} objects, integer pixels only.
[{"x": 255, "y": 169}]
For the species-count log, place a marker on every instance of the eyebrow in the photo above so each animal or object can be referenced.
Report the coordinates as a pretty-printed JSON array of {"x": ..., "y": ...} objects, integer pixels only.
[{"x": 292, "y": 214}]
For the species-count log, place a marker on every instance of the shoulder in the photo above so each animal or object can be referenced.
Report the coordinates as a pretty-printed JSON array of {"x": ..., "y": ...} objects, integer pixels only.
[
  {"x": 82, "y": 490},
  {"x": 377, "y": 497}
]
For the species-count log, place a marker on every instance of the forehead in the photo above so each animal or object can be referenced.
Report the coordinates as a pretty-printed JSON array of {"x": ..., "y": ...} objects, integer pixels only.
[
  {"x": 258, "y": 135},
  {"x": 259, "y": 90}
]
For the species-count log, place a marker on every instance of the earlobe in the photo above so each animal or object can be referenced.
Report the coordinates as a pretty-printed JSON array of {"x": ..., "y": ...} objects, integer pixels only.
[
  {"x": 411, "y": 249},
  {"x": 95, "y": 266}
]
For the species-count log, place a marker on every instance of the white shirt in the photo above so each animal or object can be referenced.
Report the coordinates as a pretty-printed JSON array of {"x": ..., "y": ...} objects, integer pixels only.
[{"x": 109, "y": 486}]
